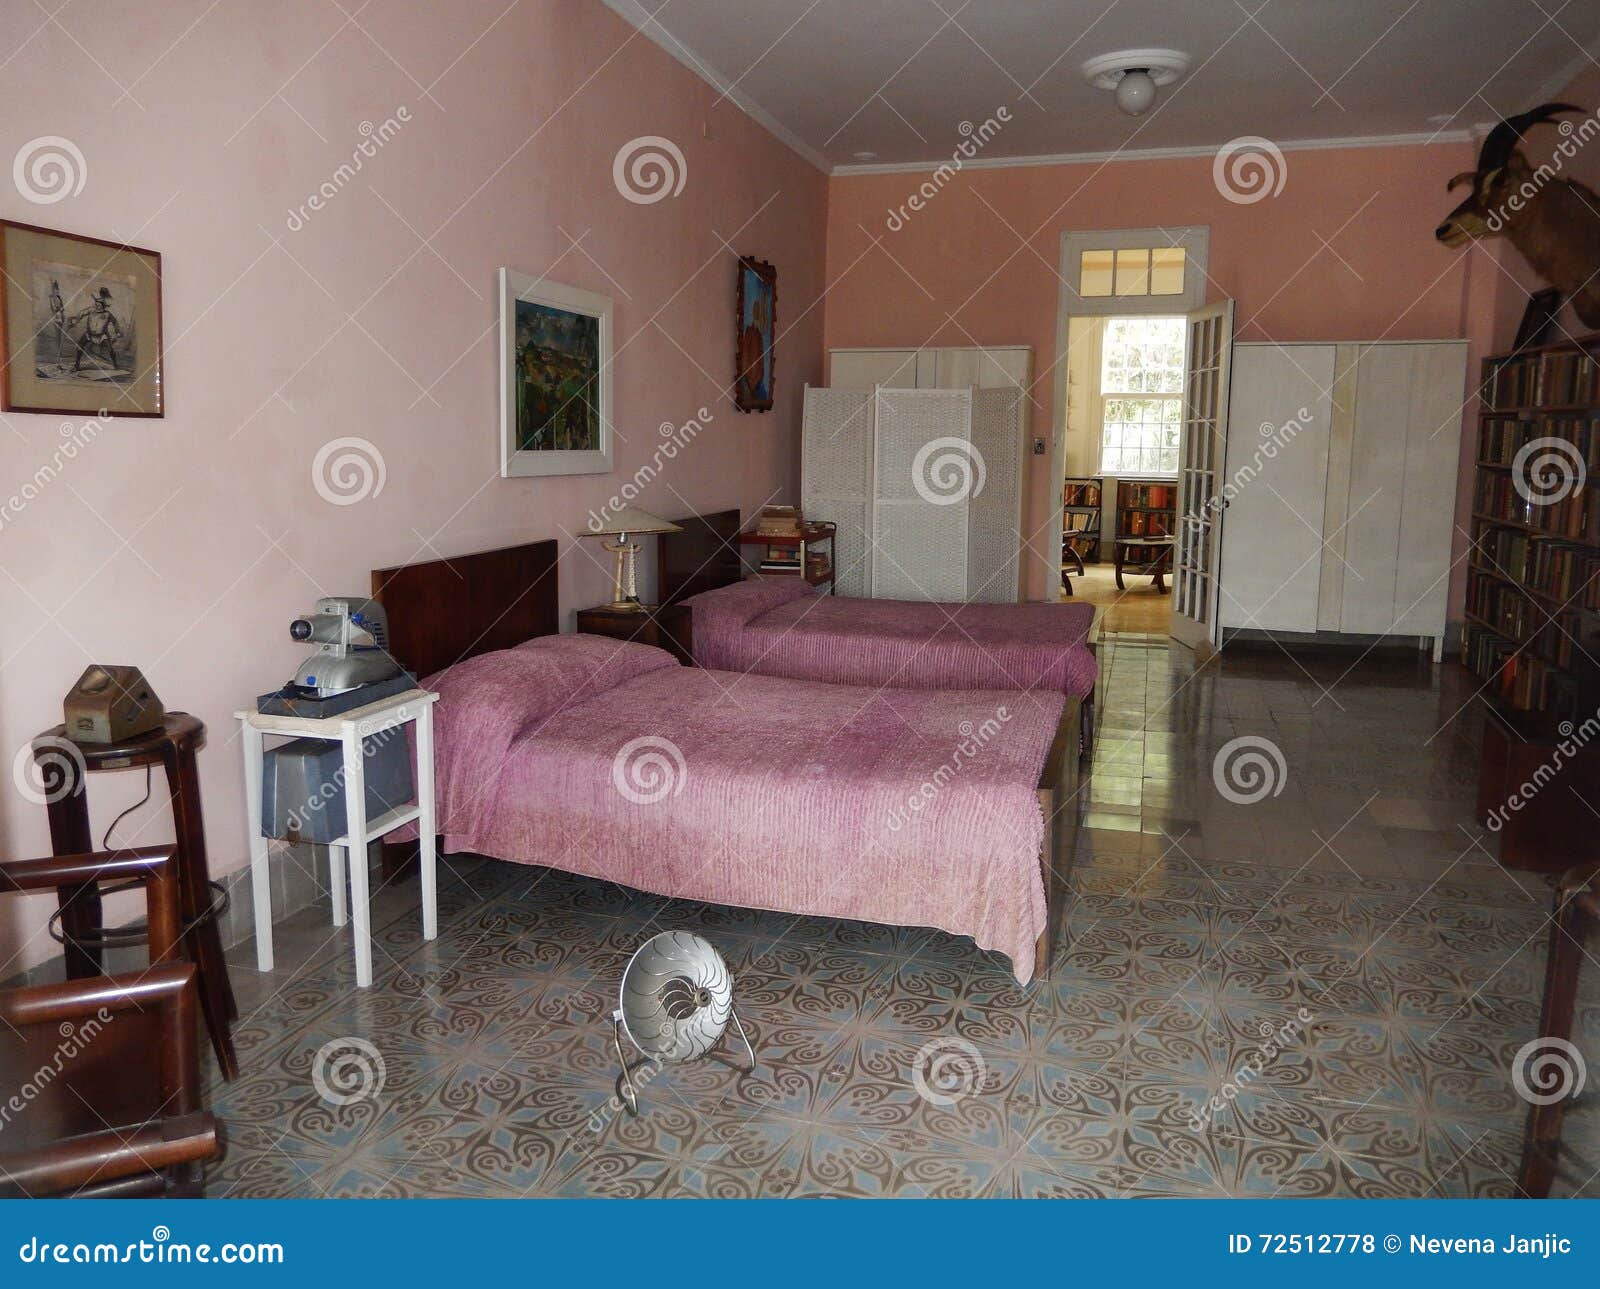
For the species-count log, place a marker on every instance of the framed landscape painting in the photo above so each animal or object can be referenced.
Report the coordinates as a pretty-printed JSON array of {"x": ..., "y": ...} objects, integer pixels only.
[
  {"x": 80, "y": 324},
  {"x": 756, "y": 327},
  {"x": 555, "y": 378}
]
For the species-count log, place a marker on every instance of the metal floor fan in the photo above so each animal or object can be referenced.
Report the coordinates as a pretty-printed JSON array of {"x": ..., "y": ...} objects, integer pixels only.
[{"x": 677, "y": 1002}]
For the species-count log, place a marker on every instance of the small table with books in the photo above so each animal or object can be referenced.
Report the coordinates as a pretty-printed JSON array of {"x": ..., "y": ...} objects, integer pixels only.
[{"x": 784, "y": 545}]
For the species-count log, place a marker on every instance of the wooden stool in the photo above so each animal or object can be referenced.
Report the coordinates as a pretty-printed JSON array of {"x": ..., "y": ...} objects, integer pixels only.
[{"x": 173, "y": 748}]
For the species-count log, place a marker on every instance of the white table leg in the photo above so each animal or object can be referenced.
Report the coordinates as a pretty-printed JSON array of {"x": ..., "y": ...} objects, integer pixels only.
[
  {"x": 355, "y": 800},
  {"x": 251, "y": 740},
  {"x": 336, "y": 880},
  {"x": 425, "y": 824}
]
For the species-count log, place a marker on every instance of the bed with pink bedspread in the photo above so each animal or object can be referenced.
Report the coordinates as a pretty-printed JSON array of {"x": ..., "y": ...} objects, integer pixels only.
[
  {"x": 899, "y": 806},
  {"x": 781, "y": 627}
]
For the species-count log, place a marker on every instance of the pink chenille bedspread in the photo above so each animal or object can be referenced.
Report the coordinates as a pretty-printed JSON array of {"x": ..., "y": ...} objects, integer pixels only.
[
  {"x": 906, "y": 807},
  {"x": 778, "y": 627}
]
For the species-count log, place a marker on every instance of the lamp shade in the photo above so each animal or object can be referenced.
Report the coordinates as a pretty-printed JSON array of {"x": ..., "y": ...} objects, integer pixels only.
[{"x": 628, "y": 519}]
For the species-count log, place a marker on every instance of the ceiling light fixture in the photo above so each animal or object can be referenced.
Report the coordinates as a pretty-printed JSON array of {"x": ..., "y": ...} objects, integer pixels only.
[{"x": 1135, "y": 74}]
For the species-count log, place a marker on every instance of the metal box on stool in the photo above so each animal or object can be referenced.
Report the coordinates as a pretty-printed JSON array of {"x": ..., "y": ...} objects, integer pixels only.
[{"x": 302, "y": 790}]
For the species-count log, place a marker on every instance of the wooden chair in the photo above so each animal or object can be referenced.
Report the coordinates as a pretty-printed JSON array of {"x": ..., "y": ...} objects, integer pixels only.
[
  {"x": 1577, "y": 913},
  {"x": 101, "y": 1073}
]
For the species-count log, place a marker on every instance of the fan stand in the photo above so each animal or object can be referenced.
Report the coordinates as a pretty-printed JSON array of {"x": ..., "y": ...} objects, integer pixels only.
[{"x": 628, "y": 1094}]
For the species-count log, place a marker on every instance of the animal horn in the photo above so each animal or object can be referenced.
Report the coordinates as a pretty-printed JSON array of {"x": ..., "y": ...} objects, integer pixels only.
[{"x": 1496, "y": 150}]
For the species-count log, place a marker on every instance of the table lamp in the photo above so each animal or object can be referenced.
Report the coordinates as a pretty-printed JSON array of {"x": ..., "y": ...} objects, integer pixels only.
[{"x": 622, "y": 524}]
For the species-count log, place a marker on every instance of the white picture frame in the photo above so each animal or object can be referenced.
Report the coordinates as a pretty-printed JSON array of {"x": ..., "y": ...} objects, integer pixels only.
[{"x": 523, "y": 462}]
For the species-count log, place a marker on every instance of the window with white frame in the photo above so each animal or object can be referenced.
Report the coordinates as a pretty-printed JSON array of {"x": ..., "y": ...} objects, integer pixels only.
[{"x": 1141, "y": 395}]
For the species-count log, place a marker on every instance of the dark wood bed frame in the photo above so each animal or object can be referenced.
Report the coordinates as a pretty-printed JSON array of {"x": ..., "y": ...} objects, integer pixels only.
[{"x": 445, "y": 611}]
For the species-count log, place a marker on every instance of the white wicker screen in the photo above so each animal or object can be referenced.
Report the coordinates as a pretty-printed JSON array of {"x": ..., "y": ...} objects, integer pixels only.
[
  {"x": 924, "y": 452},
  {"x": 994, "y": 514},
  {"x": 836, "y": 477}
]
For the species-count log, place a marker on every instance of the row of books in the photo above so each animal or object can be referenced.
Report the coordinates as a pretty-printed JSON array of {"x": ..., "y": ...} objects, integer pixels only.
[
  {"x": 1553, "y": 567},
  {"x": 1142, "y": 523},
  {"x": 1499, "y": 441},
  {"x": 1499, "y": 496},
  {"x": 1517, "y": 678},
  {"x": 1080, "y": 492},
  {"x": 1560, "y": 379},
  {"x": 1157, "y": 496},
  {"x": 1547, "y": 633}
]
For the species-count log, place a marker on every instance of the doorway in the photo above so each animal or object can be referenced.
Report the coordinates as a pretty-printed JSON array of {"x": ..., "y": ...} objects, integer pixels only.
[{"x": 1119, "y": 482}]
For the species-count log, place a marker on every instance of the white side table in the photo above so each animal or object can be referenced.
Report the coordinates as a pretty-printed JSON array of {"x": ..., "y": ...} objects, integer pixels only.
[{"x": 348, "y": 729}]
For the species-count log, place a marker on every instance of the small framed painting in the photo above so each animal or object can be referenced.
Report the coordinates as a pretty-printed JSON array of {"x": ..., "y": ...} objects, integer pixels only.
[
  {"x": 555, "y": 378},
  {"x": 80, "y": 324},
  {"x": 757, "y": 320}
]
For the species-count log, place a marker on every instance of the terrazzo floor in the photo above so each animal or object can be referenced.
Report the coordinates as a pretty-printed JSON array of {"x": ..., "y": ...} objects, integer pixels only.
[{"x": 1320, "y": 992}]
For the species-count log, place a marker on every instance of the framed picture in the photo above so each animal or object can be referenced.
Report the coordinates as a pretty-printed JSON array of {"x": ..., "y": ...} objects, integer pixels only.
[
  {"x": 80, "y": 324},
  {"x": 1543, "y": 307},
  {"x": 756, "y": 325},
  {"x": 555, "y": 378}
]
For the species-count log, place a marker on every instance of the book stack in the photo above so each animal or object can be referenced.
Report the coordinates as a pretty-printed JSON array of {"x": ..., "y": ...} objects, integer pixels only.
[
  {"x": 778, "y": 521},
  {"x": 781, "y": 559}
]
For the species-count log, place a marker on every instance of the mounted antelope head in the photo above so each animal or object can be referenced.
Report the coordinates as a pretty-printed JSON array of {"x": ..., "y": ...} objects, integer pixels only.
[{"x": 1553, "y": 222}]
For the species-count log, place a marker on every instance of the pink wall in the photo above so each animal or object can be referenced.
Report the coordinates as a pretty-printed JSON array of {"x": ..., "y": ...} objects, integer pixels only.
[
  {"x": 979, "y": 265},
  {"x": 186, "y": 544}
]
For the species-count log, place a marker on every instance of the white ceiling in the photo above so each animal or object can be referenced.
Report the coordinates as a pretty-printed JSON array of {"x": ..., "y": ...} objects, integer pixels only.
[{"x": 898, "y": 78}]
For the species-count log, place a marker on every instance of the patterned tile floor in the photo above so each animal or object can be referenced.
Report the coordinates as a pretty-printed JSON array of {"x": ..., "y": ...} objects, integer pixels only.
[{"x": 1317, "y": 993}]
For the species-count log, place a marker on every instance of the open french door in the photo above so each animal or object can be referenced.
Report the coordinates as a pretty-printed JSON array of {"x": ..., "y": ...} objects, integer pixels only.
[{"x": 1202, "y": 456}]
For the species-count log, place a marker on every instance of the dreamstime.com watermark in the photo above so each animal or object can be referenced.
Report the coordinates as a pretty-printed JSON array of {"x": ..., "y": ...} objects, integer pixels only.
[
  {"x": 1573, "y": 138},
  {"x": 948, "y": 470},
  {"x": 1547, "y": 1070},
  {"x": 373, "y": 139},
  {"x": 348, "y": 470},
  {"x": 1573, "y": 739},
  {"x": 1274, "y": 439},
  {"x": 947, "y": 1070},
  {"x": 649, "y": 769},
  {"x": 1249, "y": 169},
  {"x": 75, "y": 438},
  {"x": 346, "y": 1070},
  {"x": 649, "y": 169},
  {"x": 1275, "y": 1039},
  {"x": 49, "y": 169},
  {"x": 974, "y": 138},
  {"x": 48, "y": 770},
  {"x": 674, "y": 439},
  {"x": 1249, "y": 769},
  {"x": 75, "y": 1039},
  {"x": 974, "y": 738},
  {"x": 331, "y": 789},
  {"x": 160, "y": 1249},
  {"x": 1548, "y": 470}
]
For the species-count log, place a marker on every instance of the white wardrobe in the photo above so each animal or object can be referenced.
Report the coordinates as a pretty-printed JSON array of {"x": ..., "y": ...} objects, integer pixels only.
[
  {"x": 1340, "y": 487},
  {"x": 925, "y": 486}
]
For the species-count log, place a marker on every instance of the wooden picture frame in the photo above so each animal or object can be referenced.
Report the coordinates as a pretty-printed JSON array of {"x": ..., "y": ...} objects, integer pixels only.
[
  {"x": 755, "y": 354},
  {"x": 555, "y": 378},
  {"x": 80, "y": 325}
]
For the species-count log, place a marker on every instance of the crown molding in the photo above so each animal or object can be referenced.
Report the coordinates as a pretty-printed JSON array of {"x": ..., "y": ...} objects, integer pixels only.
[
  {"x": 1433, "y": 137},
  {"x": 643, "y": 21}
]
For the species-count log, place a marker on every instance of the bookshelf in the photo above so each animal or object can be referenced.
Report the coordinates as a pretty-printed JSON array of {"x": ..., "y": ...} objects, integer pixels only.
[
  {"x": 1146, "y": 509},
  {"x": 1080, "y": 506},
  {"x": 1533, "y": 577},
  {"x": 1532, "y": 627}
]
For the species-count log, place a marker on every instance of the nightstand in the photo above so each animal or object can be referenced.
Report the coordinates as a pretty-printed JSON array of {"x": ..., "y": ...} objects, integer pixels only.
[{"x": 664, "y": 626}]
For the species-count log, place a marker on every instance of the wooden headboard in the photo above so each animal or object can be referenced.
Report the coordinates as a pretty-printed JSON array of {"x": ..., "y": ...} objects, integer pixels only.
[
  {"x": 704, "y": 556},
  {"x": 448, "y": 610}
]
